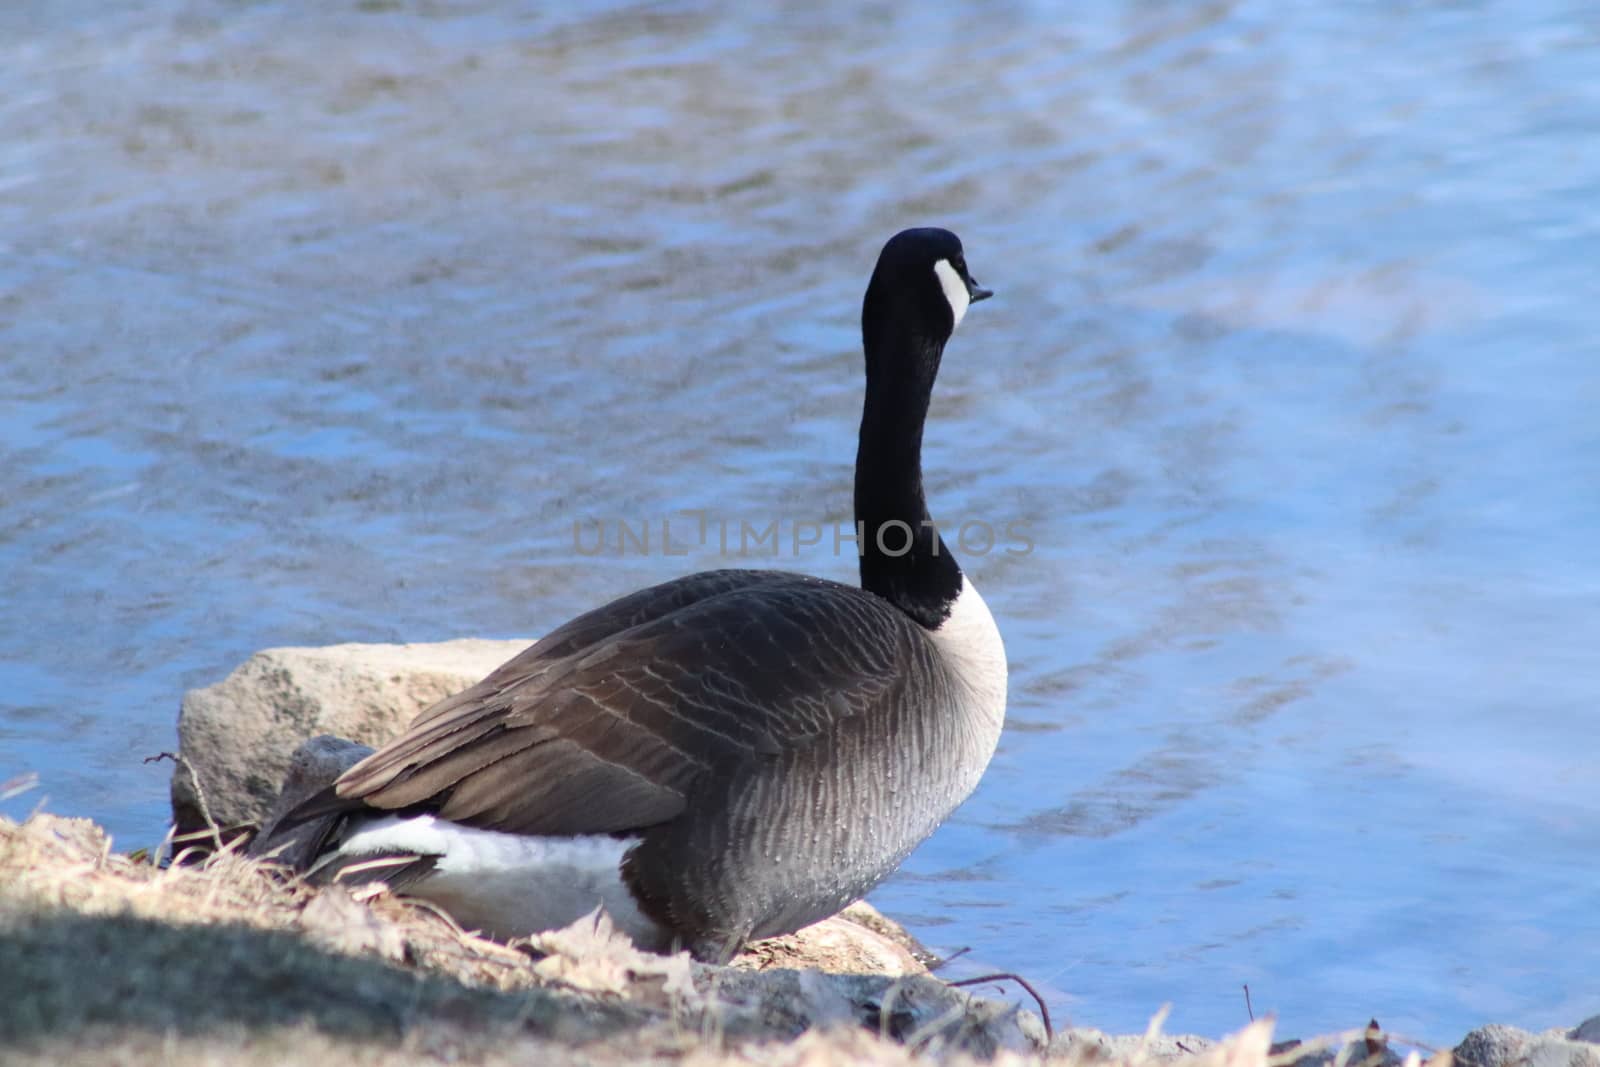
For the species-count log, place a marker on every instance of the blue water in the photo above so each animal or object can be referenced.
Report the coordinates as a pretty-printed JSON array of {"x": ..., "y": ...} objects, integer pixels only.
[{"x": 322, "y": 326}]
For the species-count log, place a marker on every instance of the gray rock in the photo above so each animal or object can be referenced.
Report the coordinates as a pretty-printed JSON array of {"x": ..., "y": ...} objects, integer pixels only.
[
  {"x": 1084, "y": 1044},
  {"x": 1355, "y": 1054},
  {"x": 919, "y": 1011},
  {"x": 315, "y": 765},
  {"x": 1507, "y": 1046},
  {"x": 1492, "y": 1046},
  {"x": 236, "y": 738},
  {"x": 1557, "y": 1051}
]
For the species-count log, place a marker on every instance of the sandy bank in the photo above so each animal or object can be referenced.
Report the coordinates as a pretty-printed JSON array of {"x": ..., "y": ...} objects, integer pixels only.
[{"x": 108, "y": 959}]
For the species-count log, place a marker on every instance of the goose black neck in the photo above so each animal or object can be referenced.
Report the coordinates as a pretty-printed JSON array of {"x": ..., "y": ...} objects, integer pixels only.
[{"x": 903, "y": 558}]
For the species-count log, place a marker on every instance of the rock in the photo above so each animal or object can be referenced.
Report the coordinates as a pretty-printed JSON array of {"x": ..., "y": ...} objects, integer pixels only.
[
  {"x": 1356, "y": 1054},
  {"x": 919, "y": 1010},
  {"x": 1492, "y": 1046},
  {"x": 1560, "y": 1052},
  {"x": 1506, "y": 1046},
  {"x": 236, "y": 737},
  {"x": 859, "y": 940},
  {"x": 1557, "y": 1050},
  {"x": 1088, "y": 1045},
  {"x": 1372, "y": 1050},
  {"x": 314, "y": 766}
]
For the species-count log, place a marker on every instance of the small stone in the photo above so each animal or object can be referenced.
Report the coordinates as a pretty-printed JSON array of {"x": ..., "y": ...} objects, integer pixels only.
[
  {"x": 859, "y": 940},
  {"x": 1494, "y": 1045}
]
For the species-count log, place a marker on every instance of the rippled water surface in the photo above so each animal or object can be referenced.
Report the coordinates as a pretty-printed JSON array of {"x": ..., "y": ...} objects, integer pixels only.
[{"x": 326, "y": 325}]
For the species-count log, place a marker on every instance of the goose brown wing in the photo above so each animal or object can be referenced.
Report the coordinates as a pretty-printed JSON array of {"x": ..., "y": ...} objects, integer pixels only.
[
  {"x": 601, "y": 734},
  {"x": 597, "y": 625}
]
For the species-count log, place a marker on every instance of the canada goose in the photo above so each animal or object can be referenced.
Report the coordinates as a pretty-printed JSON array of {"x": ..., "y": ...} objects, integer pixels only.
[{"x": 723, "y": 757}]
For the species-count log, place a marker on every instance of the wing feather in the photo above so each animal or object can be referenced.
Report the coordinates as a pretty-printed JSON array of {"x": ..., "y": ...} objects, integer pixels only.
[{"x": 606, "y": 725}]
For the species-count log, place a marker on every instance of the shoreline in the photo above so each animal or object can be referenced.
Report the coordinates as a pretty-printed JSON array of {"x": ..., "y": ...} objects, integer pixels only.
[{"x": 111, "y": 959}]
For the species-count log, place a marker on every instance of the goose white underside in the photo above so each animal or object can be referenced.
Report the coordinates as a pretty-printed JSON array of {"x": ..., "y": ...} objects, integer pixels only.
[{"x": 510, "y": 885}]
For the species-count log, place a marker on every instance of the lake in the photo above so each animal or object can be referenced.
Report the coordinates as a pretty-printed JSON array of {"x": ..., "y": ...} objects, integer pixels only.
[{"x": 325, "y": 324}]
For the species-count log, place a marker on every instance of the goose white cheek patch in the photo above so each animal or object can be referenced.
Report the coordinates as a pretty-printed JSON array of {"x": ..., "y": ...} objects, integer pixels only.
[{"x": 955, "y": 290}]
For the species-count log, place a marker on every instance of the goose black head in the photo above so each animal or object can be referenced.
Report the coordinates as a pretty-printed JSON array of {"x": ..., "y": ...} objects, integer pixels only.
[{"x": 919, "y": 293}]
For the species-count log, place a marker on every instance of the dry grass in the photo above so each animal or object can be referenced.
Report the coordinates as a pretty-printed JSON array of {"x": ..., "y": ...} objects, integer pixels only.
[
  {"x": 106, "y": 955},
  {"x": 105, "y": 959}
]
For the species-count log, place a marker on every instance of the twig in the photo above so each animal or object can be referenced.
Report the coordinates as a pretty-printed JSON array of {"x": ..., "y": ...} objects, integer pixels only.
[
  {"x": 1044, "y": 1012},
  {"x": 199, "y": 794},
  {"x": 1247, "y": 1007},
  {"x": 957, "y": 954}
]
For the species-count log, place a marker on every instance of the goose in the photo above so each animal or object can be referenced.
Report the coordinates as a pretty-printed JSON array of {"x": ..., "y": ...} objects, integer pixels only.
[{"x": 727, "y": 756}]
